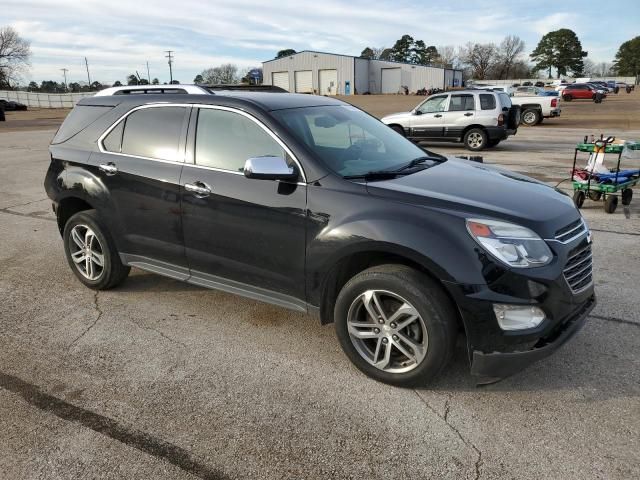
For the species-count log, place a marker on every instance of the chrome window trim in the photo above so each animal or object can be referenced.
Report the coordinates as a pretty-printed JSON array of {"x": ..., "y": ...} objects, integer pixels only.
[
  {"x": 124, "y": 116},
  {"x": 183, "y": 154}
]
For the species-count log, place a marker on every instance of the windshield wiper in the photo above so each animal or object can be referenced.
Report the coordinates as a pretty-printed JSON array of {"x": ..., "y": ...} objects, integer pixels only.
[
  {"x": 418, "y": 161},
  {"x": 386, "y": 174}
]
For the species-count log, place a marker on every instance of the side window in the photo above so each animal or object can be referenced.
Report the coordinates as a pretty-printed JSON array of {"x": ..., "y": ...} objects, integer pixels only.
[
  {"x": 226, "y": 140},
  {"x": 461, "y": 103},
  {"x": 154, "y": 133},
  {"x": 113, "y": 141},
  {"x": 433, "y": 105},
  {"x": 487, "y": 102}
]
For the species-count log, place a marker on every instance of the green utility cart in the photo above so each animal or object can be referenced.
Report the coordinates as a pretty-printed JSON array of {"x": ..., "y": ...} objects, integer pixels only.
[{"x": 600, "y": 183}]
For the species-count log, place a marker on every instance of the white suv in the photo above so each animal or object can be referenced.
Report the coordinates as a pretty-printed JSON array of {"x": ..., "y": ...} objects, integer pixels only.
[{"x": 478, "y": 118}]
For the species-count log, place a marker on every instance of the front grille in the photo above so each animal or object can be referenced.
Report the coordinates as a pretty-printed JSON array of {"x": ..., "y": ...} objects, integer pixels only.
[
  {"x": 571, "y": 231},
  {"x": 579, "y": 269}
]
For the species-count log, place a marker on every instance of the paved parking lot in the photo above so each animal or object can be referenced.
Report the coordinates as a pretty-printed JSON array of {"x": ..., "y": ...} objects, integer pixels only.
[{"x": 160, "y": 379}]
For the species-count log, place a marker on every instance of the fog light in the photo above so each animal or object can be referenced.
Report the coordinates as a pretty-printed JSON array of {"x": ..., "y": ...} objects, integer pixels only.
[{"x": 517, "y": 317}]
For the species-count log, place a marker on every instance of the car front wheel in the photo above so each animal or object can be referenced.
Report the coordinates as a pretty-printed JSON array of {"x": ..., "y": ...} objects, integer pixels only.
[
  {"x": 91, "y": 253},
  {"x": 396, "y": 325}
]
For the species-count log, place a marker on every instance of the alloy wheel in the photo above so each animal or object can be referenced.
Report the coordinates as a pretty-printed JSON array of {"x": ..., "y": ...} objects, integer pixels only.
[
  {"x": 86, "y": 252},
  {"x": 387, "y": 331},
  {"x": 475, "y": 140}
]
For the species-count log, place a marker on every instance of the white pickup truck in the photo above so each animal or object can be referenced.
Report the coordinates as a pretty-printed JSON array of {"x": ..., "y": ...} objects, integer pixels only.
[{"x": 534, "y": 108}]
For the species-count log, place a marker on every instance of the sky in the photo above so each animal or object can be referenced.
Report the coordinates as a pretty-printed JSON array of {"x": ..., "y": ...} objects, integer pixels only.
[{"x": 118, "y": 37}]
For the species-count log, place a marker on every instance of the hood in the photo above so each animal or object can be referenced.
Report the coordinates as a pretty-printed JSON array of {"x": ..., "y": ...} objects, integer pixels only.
[
  {"x": 395, "y": 116},
  {"x": 471, "y": 188}
]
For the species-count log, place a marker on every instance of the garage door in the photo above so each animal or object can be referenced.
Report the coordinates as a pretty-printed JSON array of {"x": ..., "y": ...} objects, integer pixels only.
[
  {"x": 304, "y": 81},
  {"x": 280, "y": 79},
  {"x": 328, "y": 81},
  {"x": 390, "y": 80}
]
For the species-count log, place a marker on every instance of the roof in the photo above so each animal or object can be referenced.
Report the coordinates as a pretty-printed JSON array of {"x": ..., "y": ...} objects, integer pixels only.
[
  {"x": 126, "y": 89},
  {"x": 263, "y": 100},
  {"x": 361, "y": 58}
]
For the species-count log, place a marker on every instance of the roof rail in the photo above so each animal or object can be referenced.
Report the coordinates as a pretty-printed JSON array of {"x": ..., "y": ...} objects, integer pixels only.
[
  {"x": 153, "y": 90},
  {"x": 245, "y": 87}
]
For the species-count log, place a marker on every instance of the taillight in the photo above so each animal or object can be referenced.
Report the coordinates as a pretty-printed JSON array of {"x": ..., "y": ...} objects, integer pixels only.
[
  {"x": 554, "y": 102},
  {"x": 500, "y": 119}
]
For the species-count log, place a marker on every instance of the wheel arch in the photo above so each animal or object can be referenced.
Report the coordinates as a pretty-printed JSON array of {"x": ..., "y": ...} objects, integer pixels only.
[
  {"x": 69, "y": 206},
  {"x": 392, "y": 125}
]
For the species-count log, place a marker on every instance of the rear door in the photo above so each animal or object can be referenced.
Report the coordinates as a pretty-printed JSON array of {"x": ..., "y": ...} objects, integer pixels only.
[
  {"x": 140, "y": 162},
  {"x": 242, "y": 235},
  {"x": 428, "y": 119},
  {"x": 460, "y": 114}
]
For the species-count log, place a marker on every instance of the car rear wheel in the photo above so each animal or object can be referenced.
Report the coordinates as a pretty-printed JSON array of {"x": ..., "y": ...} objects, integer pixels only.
[
  {"x": 475, "y": 139},
  {"x": 531, "y": 117},
  {"x": 567, "y": 98},
  {"x": 91, "y": 253},
  {"x": 395, "y": 324}
]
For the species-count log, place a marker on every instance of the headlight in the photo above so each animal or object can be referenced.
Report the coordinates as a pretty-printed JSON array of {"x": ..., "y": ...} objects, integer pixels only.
[{"x": 512, "y": 244}]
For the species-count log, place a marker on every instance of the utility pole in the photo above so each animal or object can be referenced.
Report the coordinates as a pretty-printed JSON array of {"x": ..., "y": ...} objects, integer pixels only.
[
  {"x": 88, "y": 76},
  {"x": 148, "y": 76},
  {"x": 64, "y": 71},
  {"x": 170, "y": 57}
]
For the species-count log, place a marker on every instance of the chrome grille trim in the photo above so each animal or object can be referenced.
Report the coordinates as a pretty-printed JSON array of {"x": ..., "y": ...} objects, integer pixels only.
[
  {"x": 569, "y": 233},
  {"x": 578, "y": 272}
]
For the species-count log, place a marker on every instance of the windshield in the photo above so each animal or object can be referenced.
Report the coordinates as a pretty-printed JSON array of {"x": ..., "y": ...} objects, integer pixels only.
[{"x": 349, "y": 141}]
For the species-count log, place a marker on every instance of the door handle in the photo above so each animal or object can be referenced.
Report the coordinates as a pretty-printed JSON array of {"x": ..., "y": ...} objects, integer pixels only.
[
  {"x": 437, "y": 115},
  {"x": 468, "y": 114},
  {"x": 108, "y": 168},
  {"x": 199, "y": 189}
]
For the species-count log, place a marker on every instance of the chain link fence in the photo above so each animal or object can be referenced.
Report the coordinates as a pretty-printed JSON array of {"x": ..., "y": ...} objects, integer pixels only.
[
  {"x": 629, "y": 80},
  {"x": 44, "y": 100}
]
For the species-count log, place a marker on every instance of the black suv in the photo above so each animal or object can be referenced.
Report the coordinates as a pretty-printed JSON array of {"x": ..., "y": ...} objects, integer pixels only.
[{"x": 311, "y": 204}]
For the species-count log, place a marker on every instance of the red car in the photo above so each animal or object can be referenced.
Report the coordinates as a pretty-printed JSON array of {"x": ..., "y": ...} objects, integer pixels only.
[{"x": 579, "y": 91}]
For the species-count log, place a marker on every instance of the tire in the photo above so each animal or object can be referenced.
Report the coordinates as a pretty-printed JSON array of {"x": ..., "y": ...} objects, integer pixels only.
[
  {"x": 531, "y": 117},
  {"x": 398, "y": 129},
  {"x": 475, "y": 139},
  {"x": 567, "y": 98},
  {"x": 578, "y": 198},
  {"x": 611, "y": 203},
  {"x": 628, "y": 89},
  {"x": 595, "y": 195},
  {"x": 434, "y": 329},
  {"x": 627, "y": 195},
  {"x": 85, "y": 227}
]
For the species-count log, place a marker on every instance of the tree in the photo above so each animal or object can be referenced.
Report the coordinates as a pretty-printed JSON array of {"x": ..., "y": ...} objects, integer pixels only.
[
  {"x": 132, "y": 80},
  {"x": 447, "y": 57},
  {"x": 401, "y": 51},
  {"x": 33, "y": 86},
  {"x": 198, "y": 79},
  {"x": 155, "y": 81},
  {"x": 175, "y": 82},
  {"x": 143, "y": 81},
  {"x": 560, "y": 49},
  {"x": 285, "y": 53},
  {"x": 627, "y": 60},
  {"x": 74, "y": 87},
  {"x": 117, "y": 83},
  {"x": 251, "y": 76},
  {"x": 507, "y": 54},
  {"x": 386, "y": 54},
  {"x": 96, "y": 86},
  {"x": 367, "y": 53},
  {"x": 227, "y": 73},
  {"x": 15, "y": 53},
  {"x": 479, "y": 57},
  {"x": 51, "y": 86}
]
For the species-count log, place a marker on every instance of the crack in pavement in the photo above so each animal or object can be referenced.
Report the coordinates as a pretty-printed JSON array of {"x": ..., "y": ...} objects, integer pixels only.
[
  {"x": 97, "y": 308},
  {"x": 616, "y": 320},
  {"x": 159, "y": 332},
  {"x": 445, "y": 419},
  {"x": 28, "y": 215},
  {"x": 24, "y": 204},
  {"x": 634, "y": 234}
]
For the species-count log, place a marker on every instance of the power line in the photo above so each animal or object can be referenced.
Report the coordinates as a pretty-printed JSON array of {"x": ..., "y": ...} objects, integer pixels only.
[
  {"x": 88, "y": 76},
  {"x": 170, "y": 57}
]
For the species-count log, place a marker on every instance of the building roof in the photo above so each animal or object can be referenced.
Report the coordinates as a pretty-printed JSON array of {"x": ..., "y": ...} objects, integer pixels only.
[{"x": 351, "y": 56}]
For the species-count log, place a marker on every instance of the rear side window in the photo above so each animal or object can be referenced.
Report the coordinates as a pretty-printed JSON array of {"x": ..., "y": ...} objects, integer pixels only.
[
  {"x": 505, "y": 100},
  {"x": 226, "y": 140},
  {"x": 80, "y": 118},
  {"x": 154, "y": 133},
  {"x": 113, "y": 141},
  {"x": 487, "y": 102},
  {"x": 461, "y": 103}
]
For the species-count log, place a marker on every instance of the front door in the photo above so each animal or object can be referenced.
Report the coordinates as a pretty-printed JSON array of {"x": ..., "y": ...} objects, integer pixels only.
[
  {"x": 428, "y": 118},
  {"x": 139, "y": 163},
  {"x": 242, "y": 235}
]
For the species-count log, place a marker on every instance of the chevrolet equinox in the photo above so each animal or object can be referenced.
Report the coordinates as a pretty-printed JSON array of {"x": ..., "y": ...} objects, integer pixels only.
[{"x": 312, "y": 204}]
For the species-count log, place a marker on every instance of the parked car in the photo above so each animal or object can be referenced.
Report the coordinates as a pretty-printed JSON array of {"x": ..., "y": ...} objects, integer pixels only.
[
  {"x": 527, "y": 84},
  {"x": 602, "y": 85},
  {"x": 627, "y": 87},
  {"x": 478, "y": 118},
  {"x": 578, "y": 91},
  {"x": 533, "y": 108},
  {"x": 311, "y": 204},
  {"x": 539, "y": 84},
  {"x": 11, "y": 105}
]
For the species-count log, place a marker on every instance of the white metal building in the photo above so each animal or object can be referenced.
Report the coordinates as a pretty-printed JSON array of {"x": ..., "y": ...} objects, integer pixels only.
[{"x": 334, "y": 74}]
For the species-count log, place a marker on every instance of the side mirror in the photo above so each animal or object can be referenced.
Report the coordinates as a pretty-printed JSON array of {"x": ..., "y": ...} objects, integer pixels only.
[
  {"x": 269, "y": 168},
  {"x": 417, "y": 112}
]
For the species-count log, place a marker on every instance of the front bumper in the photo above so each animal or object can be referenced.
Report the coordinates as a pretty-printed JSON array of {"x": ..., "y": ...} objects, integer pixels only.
[{"x": 497, "y": 365}]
